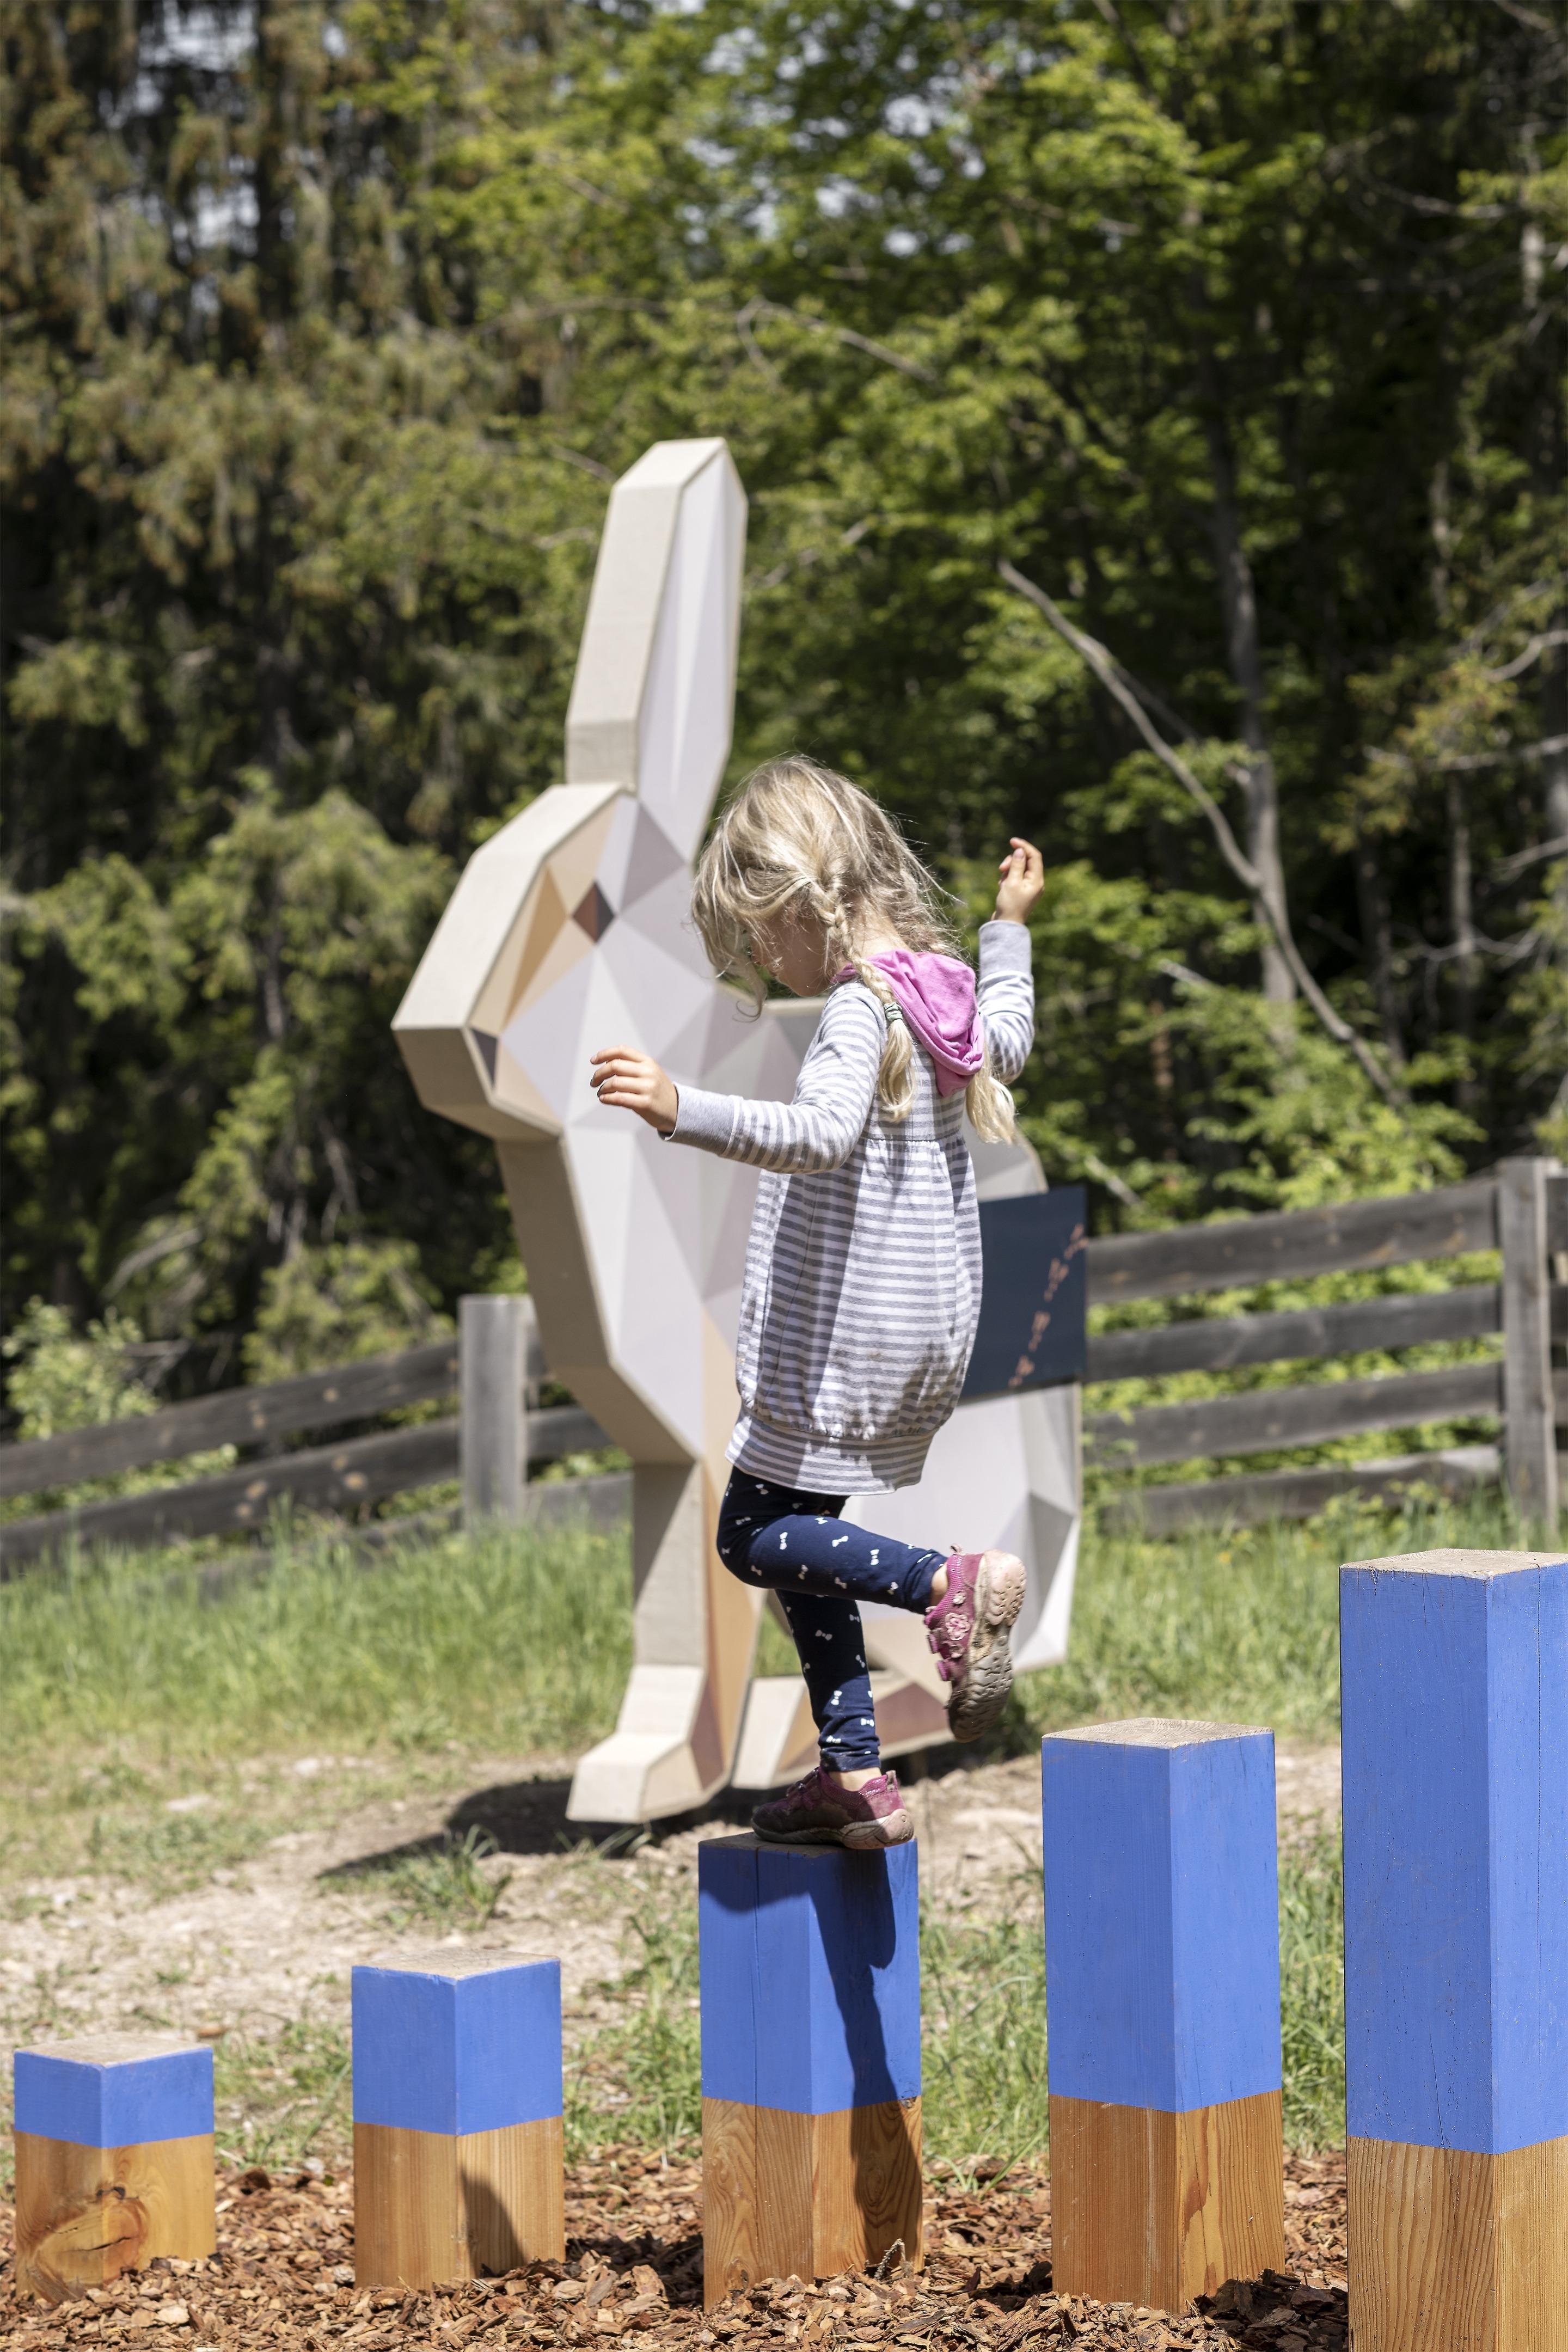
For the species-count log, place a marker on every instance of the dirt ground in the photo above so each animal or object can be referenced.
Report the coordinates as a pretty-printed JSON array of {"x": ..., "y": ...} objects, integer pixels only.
[{"x": 273, "y": 1938}]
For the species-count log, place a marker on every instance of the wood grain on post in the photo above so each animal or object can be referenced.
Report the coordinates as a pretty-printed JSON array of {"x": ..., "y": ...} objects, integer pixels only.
[
  {"x": 492, "y": 1344},
  {"x": 114, "y": 2159},
  {"x": 433, "y": 2206},
  {"x": 1455, "y": 1676},
  {"x": 811, "y": 2119},
  {"x": 1529, "y": 1413},
  {"x": 1193, "y": 2199},
  {"x": 458, "y": 2123},
  {"x": 1167, "y": 2164}
]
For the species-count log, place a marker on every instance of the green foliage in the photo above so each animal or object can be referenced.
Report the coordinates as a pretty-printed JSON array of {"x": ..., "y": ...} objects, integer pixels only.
[
  {"x": 328, "y": 1305},
  {"x": 326, "y": 332},
  {"x": 984, "y": 2090},
  {"x": 65, "y": 1380}
]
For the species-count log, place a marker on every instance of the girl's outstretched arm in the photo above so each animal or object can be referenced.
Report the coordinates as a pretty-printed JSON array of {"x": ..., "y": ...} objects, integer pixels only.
[
  {"x": 816, "y": 1131},
  {"x": 1007, "y": 992}
]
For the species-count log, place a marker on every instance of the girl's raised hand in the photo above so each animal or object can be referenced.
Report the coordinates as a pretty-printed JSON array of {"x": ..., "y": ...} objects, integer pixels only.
[
  {"x": 628, "y": 1080},
  {"x": 1023, "y": 879}
]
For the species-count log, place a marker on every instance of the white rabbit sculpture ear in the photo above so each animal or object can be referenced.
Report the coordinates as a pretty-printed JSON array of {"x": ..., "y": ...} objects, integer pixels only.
[{"x": 569, "y": 930}]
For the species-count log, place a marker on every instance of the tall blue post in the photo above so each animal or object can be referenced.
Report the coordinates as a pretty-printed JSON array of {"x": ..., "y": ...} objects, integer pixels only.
[
  {"x": 458, "y": 2133},
  {"x": 811, "y": 2058},
  {"x": 1455, "y": 1669},
  {"x": 1163, "y": 2001}
]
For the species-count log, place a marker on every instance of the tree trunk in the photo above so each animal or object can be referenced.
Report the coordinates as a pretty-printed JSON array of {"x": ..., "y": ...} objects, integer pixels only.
[
  {"x": 1461, "y": 910},
  {"x": 1377, "y": 937},
  {"x": 1245, "y": 650}
]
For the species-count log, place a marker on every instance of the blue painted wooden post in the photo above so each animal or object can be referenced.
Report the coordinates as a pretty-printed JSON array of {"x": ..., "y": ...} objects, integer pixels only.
[
  {"x": 458, "y": 2150},
  {"x": 1163, "y": 2001},
  {"x": 811, "y": 2058},
  {"x": 114, "y": 2158},
  {"x": 1454, "y": 1671}
]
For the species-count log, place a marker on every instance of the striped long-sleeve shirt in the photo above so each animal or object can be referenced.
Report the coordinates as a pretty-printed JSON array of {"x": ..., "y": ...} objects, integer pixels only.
[{"x": 862, "y": 1283}]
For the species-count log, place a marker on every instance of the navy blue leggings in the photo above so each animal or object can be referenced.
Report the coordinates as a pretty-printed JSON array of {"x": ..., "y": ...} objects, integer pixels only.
[{"x": 796, "y": 1545}]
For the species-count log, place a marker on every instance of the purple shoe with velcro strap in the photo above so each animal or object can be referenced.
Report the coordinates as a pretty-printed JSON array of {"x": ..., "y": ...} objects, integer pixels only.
[
  {"x": 970, "y": 1629},
  {"x": 817, "y": 1812}
]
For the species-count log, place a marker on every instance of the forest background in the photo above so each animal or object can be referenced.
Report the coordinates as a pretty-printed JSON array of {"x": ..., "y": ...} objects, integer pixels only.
[{"x": 1237, "y": 330}]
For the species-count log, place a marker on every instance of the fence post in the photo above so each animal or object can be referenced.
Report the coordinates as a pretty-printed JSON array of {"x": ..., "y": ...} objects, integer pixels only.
[
  {"x": 1530, "y": 1416},
  {"x": 492, "y": 1367}
]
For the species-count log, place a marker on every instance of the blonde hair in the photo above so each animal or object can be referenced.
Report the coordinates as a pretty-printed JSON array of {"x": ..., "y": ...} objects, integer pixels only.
[{"x": 798, "y": 839}]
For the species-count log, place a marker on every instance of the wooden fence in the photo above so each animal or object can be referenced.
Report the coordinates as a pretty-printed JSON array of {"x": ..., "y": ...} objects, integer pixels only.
[
  {"x": 1521, "y": 1210},
  {"x": 495, "y": 1366},
  {"x": 338, "y": 1476}
]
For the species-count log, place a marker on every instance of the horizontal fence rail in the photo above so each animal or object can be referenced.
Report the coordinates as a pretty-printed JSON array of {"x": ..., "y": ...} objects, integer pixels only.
[
  {"x": 324, "y": 1478},
  {"x": 1270, "y": 1420},
  {"x": 233, "y": 1417},
  {"x": 1293, "y": 1244},
  {"x": 1225, "y": 1344}
]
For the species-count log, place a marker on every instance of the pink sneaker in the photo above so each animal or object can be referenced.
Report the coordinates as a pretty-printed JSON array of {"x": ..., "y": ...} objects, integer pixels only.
[
  {"x": 969, "y": 1630},
  {"x": 817, "y": 1812}
]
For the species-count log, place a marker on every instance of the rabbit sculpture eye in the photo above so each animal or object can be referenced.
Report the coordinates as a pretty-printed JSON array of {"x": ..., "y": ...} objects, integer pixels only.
[{"x": 568, "y": 928}]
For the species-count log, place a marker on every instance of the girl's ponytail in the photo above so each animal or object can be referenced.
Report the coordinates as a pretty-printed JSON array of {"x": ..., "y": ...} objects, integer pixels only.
[
  {"x": 990, "y": 1106},
  {"x": 895, "y": 1079}
]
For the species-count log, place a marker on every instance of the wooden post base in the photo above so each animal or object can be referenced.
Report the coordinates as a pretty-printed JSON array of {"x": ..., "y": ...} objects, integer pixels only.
[
  {"x": 1451, "y": 2252},
  {"x": 434, "y": 2207},
  {"x": 1157, "y": 2209},
  {"x": 85, "y": 2214},
  {"x": 805, "y": 2197}
]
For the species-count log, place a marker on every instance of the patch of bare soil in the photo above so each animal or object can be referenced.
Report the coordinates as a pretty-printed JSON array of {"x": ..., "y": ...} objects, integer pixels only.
[{"x": 283, "y": 2276}]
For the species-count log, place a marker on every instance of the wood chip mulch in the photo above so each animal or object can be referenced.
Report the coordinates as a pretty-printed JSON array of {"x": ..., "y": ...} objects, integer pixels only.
[{"x": 283, "y": 2276}]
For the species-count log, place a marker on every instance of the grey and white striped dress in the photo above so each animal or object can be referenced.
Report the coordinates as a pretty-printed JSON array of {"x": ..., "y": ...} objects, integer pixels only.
[{"x": 862, "y": 1287}]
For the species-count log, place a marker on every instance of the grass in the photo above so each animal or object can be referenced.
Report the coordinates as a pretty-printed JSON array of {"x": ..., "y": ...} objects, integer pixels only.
[
  {"x": 1232, "y": 1625},
  {"x": 516, "y": 1640},
  {"x": 444, "y": 1885},
  {"x": 278, "y": 2096},
  {"x": 1312, "y": 1992}
]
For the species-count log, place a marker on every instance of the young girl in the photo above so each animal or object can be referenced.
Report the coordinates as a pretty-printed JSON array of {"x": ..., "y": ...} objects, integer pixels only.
[{"x": 862, "y": 1283}]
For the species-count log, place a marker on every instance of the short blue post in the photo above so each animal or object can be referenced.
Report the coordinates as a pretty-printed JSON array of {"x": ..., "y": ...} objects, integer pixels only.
[
  {"x": 811, "y": 2058},
  {"x": 459, "y": 2148},
  {"x": 1455, "y": 1671},
  {"x": 114, "y": 2158},
  {"x": 1162, "y": 2002}
]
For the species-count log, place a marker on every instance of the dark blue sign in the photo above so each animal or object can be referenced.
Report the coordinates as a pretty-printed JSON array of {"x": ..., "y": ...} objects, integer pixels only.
[{"x": 1035, "y": 1297}]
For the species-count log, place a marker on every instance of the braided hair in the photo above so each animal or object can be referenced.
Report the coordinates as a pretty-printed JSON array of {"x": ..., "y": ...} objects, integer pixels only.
[{"x": 799, "y": 840}]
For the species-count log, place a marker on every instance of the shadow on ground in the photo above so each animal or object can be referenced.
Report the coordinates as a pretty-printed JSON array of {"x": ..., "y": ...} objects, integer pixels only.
[{"x": 529, "y": 1817}]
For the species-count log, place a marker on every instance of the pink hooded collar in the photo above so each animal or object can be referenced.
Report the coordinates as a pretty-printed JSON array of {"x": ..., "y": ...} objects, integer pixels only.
[{"x": 935, "y": 993}]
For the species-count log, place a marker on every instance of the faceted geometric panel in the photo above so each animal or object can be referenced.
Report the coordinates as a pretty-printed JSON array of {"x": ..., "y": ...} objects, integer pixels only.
[
  {"x": 592, "y": 912},
  {"x": 685, "y": 731}
]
